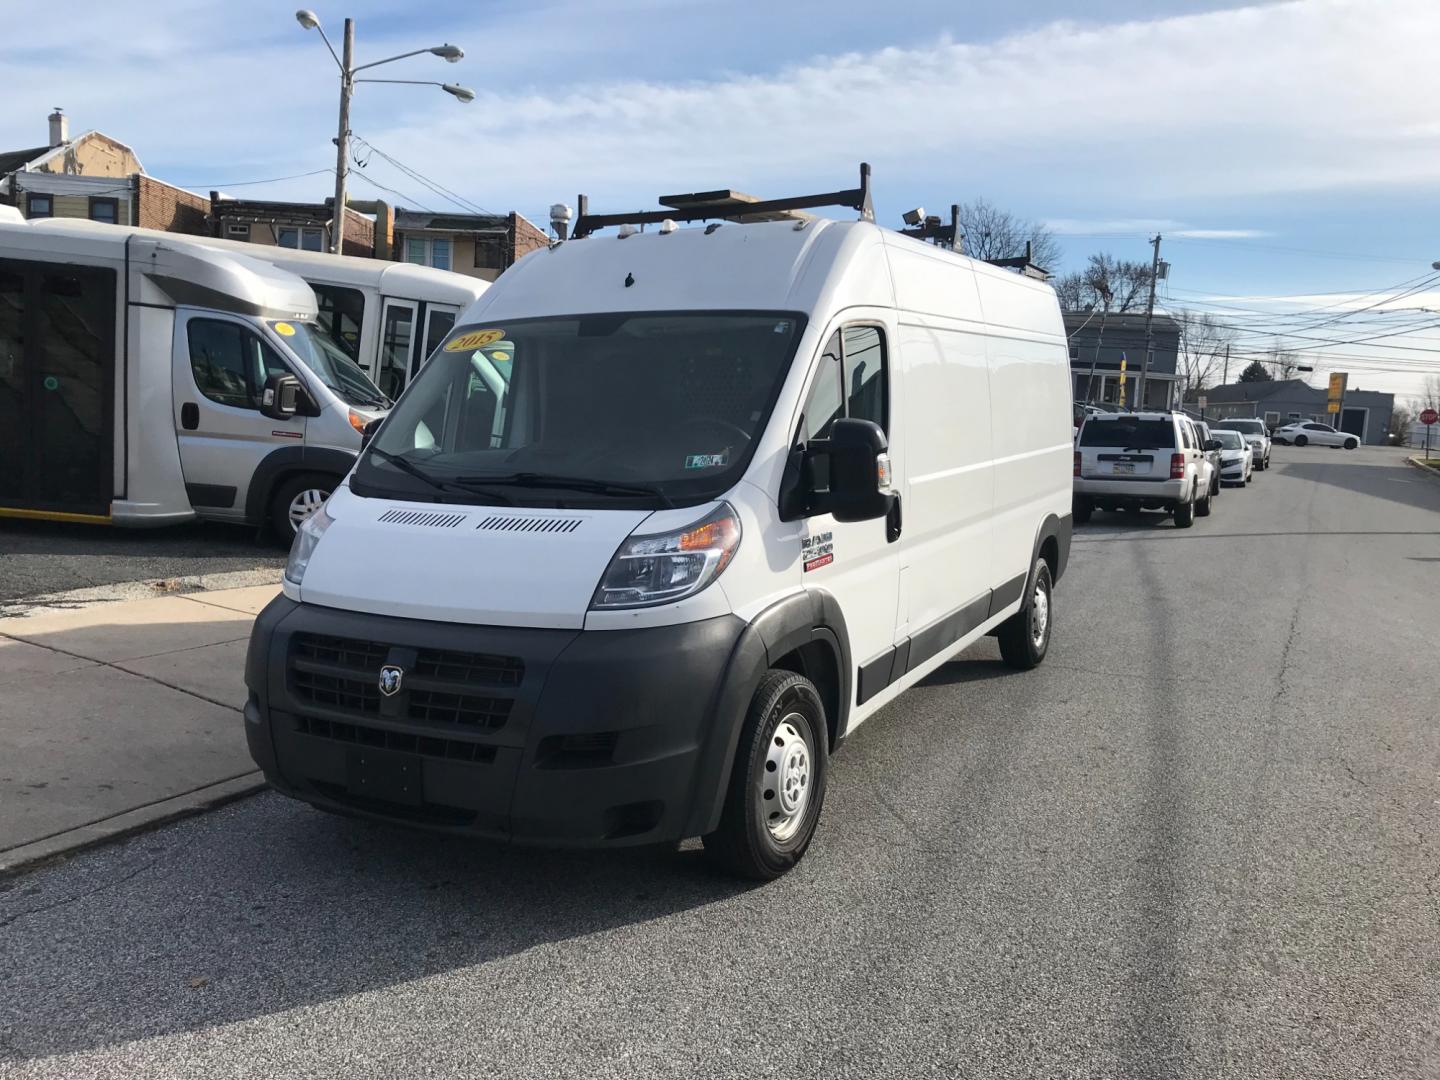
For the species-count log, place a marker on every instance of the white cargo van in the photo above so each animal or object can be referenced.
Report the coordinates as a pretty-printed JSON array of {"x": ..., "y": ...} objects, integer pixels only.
[
  {"x": 665, "y": 519},
  {"x": 146, "y": 380},
  {"x": 386, "y": 316}
]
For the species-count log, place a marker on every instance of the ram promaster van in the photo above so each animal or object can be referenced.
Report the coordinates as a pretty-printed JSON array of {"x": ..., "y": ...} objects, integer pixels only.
[
  {"x": 146, "y": 380},
  {"x": 664, "y": 520},
  {"x": 386, "y": 316}
]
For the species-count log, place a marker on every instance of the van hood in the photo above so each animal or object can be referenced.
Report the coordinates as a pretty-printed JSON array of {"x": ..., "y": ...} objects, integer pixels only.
[{"x": 481, "y": 565}]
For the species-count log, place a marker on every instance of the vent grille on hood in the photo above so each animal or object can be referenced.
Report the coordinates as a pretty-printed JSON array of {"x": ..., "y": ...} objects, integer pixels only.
[
  {"x": 502, "y": 523},
  {"x": 431, "y": 518}
]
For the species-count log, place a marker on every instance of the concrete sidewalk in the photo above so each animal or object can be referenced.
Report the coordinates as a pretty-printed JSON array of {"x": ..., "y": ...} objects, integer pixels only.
[{"x": 118, "y": 715}]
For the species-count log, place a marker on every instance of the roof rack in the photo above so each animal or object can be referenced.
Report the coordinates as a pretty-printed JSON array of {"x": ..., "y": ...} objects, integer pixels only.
[
  {"x": 728, "y": 205},
  {"x": 931, "y": 229}
]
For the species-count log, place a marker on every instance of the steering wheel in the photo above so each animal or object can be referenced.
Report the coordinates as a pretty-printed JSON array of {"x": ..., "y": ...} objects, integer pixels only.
[{"x": 714, "y": 422}]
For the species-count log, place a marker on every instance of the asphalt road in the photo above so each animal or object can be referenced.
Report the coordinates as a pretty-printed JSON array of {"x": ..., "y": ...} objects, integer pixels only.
[
  {"x": 1200, "y": 841},
  {"x": 39, "y": 557}
]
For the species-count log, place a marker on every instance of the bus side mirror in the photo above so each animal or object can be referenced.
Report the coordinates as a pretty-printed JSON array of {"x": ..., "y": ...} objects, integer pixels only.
[
  {"x": 859, "y": 471},
  {"x": 280, "y": 400}
]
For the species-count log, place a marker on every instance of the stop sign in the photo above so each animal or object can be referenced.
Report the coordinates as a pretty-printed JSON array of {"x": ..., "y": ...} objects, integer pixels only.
[{"x": 1429, "y": 416}]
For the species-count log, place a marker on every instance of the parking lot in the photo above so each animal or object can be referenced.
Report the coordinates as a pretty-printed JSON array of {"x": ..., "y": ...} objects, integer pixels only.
[{"x": 1200, "y": 840}]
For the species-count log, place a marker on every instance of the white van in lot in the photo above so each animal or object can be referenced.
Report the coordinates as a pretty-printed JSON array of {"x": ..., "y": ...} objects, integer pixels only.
[
  {"x": 147, "y": 380},
  {"x": 667, "y": 517},
  {"x": 386, "y": 316}
]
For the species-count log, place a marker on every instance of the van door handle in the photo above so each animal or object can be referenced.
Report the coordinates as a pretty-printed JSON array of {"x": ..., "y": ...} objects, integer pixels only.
[
  {"x": 892, "y": 522},
  {"x": 189, "y": 416}
]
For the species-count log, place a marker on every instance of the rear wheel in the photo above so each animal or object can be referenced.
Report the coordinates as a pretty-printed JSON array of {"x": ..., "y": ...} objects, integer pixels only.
[
  {"x": 777, "y": 783},
  {"x": 1082, "y": 510},
  {"x": 1024, "y": 638},
  {"x": 295, "y": 499},
  {"x": 1202, "y": 507},
  {"x": 1301, "y": 440},
  {"x": 1184, "y": 515}
]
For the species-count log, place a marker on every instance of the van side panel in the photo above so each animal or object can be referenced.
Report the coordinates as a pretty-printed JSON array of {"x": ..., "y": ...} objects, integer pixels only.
[
  {"x": 949, "y": 491},
  {"x": 1031, "y": 403}
]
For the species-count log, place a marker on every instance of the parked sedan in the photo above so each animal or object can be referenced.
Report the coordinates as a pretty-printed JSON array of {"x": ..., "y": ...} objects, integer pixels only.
[
  {"x": 1307, "y": 431},
  {"x": 1236, "y": 459}
]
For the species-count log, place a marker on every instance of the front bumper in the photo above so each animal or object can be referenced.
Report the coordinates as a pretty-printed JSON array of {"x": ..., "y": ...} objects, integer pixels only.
[
  {"x": 560, "y": 737},
  {"x": 1233, "y": 471}
]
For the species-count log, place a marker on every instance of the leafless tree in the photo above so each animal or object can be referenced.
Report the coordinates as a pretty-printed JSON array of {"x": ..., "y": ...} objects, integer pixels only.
[
  {"x": 1202, "y": 350},
  {"x": 1429, "y": 397},
  {"x": 993, "y": 233},
  {"x": 1282, "y": 363},
  {"x": 1126, "y": 283},
  {"x": 1400, "y": 420}
]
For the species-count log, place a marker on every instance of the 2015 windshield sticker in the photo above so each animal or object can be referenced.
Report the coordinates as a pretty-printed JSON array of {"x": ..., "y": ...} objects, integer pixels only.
[
  {"x": 708, "y": 461},
  {"x": 817, "y": 551},
  {"x": 473, "y": 339}
]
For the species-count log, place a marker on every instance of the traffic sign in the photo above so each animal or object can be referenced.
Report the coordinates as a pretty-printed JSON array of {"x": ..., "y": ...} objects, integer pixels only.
[
  {"x": 1203, "y": 402},
  {"x": 1429, "y": 416}
]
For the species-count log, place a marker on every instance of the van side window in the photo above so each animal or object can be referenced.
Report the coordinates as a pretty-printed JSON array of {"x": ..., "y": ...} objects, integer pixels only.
[
  {"x": 866, "y": 396},
  {"x": 342, "y": 313},
  {"x": 230, "y": 363},
  {"x": 824, "y": 405}
]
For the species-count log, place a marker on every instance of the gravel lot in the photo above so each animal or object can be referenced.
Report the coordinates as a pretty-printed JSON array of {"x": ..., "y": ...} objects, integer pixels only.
[{"x": 1200, "y": 841}]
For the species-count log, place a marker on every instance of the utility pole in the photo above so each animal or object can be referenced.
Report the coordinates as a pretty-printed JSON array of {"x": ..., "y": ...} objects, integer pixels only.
[
  {"x": 1225, "y": 379},
  {"x": 342, "y": 140},
  {"x": 1149, "y": 335},
  {"x": 1095, "y": 360}
]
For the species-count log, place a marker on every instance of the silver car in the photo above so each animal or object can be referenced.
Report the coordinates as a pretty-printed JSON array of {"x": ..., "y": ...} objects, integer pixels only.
[{"x": 1236, "y": 458}]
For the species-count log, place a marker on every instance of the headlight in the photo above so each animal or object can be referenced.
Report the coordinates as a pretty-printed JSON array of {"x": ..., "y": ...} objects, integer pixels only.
[
  {"x": 669, "y": 566},
  {"x": 304, "y": 546}
]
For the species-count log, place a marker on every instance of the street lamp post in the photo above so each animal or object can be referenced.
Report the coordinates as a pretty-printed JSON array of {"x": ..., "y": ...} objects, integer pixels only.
[{"x": 346, "y": 62}]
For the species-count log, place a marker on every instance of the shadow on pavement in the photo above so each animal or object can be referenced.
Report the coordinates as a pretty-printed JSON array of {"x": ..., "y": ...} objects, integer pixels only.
[
  {"x": 269, "y": 905},
  {"x": 1392, "y": 479}
]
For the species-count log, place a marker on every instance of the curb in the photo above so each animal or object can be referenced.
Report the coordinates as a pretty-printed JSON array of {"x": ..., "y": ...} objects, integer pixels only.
[
  {"x": 30, "y": 856},
  {"x": 1416, "y": 463},
  {"x": 97, "y": 596}
]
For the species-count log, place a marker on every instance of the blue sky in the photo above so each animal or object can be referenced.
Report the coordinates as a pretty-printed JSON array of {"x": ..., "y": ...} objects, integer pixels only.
[{"x": 1288, "y": 149}]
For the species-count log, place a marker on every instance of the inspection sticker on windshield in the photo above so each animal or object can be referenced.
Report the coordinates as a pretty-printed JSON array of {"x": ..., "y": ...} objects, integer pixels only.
[
  {"x": 818, "y": 550},
  {"x": 708, "y": 461},
  {"x": 473, "y": 339},
  {"x": 284, "y": 329}
]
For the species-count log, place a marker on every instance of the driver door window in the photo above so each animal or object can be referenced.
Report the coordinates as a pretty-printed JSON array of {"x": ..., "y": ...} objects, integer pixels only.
[{"x": 231, "y": 364}]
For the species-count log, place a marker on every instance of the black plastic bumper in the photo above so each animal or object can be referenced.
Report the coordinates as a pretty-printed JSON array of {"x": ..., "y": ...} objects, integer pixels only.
[{"x": 542, "y": 736}]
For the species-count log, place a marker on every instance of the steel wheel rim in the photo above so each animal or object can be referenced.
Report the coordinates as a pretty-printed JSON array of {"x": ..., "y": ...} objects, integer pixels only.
[
  {"x": 788, "y": 778},
  {"x": 1039, "y": 614},
  {"x": 304, "y": 504}
]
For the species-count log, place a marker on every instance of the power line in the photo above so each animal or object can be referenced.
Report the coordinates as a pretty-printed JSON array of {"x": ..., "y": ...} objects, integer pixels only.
[
  {"x": 252, "y": 183},
  {"x": 420, "y": 178}
]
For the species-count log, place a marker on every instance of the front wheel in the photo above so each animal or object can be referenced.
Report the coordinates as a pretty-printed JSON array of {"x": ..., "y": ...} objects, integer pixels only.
[
  {"x": 777, "y": 783},
  {"x": 1351, "y": 444},
  {"x": 1024, "y": 638},
  {"x": 295, "y": 499}
]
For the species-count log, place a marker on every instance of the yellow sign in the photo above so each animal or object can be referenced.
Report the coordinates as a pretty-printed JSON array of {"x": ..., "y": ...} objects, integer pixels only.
[
  {"x": 1332, "y": 406},
  {"x": 284, "y": 329},
  {"x": 1337, "y": 387},
  {"x": 473, "y": 339}
]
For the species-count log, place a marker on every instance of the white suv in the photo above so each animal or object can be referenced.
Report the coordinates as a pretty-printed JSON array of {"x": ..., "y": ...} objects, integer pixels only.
[
  {"x": 1142, "y": 461},
  {"x": 1255, "y": 433}
]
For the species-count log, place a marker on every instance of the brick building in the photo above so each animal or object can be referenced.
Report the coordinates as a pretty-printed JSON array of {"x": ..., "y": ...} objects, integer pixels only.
[{"x": 305, "y": 226}]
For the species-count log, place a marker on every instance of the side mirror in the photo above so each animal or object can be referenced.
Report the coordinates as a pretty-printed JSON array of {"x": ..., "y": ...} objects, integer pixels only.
[
  {"x": 859, "y": 470},
  {"x": 368, "y": 431},
  {"x": 280, "y": 400},
  {"x": 1213, "y": 444}
]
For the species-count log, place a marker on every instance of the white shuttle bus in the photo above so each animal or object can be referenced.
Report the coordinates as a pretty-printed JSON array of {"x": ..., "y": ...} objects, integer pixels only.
[
  {"x": 386, "y": 316},
  {"x": 667, "y": 517},
  {"x": 147, "y": 380}
]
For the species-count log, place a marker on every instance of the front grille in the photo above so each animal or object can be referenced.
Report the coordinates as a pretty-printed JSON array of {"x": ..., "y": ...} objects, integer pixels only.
[
  {"x": 423, "y": 745},
  {"x": 472, "y": 668},
  {"x": 342, "y": 675},
  {"x": 464, "y": 710}
]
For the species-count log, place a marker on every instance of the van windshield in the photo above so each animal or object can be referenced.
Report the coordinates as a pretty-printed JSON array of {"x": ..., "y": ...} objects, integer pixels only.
[
  {"x": 345, "y": 378},
  {"x": 1128, "y": 433},
  {"x": 655, "y": 409}
]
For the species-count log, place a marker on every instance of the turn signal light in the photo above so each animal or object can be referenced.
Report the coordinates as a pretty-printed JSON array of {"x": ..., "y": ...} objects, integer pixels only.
[{"x": 1177, "y": 466}]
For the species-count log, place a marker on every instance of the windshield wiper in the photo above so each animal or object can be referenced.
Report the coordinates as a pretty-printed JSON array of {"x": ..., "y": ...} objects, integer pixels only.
[
  {"x": 572, "y": 483},
  {"x": 409, "y": 467}
]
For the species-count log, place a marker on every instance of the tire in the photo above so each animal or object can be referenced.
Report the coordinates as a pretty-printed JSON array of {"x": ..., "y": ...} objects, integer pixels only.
[
  {"x": 1024, "y": 638},
  {"x": 1352, "y": 444},
  {"x": 1301, "y": 440},
  {"x": 292, "y": 495},
  {"x": 765, "y": 826},
  {"x": 1202, "y": 507},
  {"x": 1082, "y": 510},
  {"x": 1184, "y": 515}
]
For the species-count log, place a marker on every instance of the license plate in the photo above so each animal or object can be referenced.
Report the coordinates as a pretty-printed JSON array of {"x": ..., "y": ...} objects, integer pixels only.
[
  {"x": 384, "y": 775},
  {"x": 1122, "y": 468}
]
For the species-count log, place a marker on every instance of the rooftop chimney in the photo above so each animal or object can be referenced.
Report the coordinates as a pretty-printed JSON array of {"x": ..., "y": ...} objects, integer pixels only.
[{"x": 59, "y": 127}]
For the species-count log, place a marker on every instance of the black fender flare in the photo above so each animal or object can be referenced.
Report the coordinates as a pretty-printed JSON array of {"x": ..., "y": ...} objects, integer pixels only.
[
  {"x": 810, "y": 616},
  {"x": 281, "y": 462},
  {"x": 1055, "y": 527}
]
